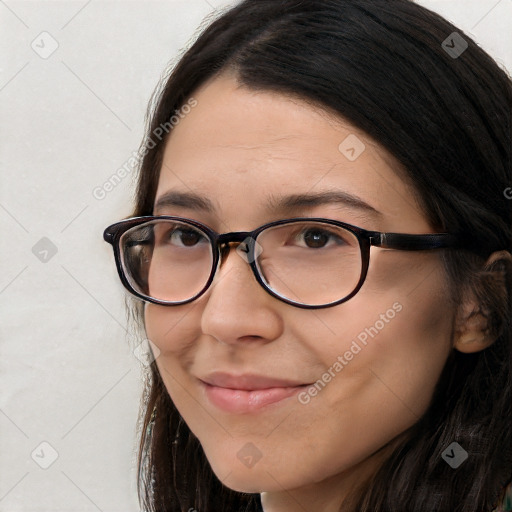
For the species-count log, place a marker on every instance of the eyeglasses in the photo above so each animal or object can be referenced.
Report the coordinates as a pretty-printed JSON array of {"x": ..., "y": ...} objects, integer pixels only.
[{"x": 306, "y": 262}]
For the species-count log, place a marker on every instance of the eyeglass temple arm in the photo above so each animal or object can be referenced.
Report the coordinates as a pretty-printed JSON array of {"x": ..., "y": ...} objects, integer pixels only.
[{"x": 406, "y": 242}]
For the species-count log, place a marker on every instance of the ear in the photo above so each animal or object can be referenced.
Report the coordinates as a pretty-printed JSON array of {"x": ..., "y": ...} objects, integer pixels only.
[{"x": 472, "y": 330}]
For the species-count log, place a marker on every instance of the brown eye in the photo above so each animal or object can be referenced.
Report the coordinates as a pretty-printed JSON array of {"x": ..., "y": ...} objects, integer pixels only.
[
  {"x": 316, "y": 238},
  {"x": 186, "y": 237}
]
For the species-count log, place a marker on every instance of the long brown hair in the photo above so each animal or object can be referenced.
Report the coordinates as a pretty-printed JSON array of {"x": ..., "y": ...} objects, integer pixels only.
[{"x": 382, "y": 66}]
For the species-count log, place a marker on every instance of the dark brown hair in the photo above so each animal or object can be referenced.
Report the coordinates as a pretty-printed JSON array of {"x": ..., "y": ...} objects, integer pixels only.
[{"x": 380, "y": 65}]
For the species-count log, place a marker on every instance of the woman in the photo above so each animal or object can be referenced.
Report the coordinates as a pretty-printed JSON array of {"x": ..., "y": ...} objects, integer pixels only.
[{"x": 353, "y": 351}]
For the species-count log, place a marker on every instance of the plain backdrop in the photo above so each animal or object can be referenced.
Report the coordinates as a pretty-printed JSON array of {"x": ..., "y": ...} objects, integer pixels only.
[{"x": 75, "y": 79}]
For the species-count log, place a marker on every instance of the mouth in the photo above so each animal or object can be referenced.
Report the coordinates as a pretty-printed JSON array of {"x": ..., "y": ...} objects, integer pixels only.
[{"x": 247, "y": 394}]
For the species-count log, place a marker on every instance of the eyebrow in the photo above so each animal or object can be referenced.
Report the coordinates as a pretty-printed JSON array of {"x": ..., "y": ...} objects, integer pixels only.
[
  {"x": 275, "y": 204},
  {"x": 292, "y": 202},
  {"x": 189, "y": 200}
]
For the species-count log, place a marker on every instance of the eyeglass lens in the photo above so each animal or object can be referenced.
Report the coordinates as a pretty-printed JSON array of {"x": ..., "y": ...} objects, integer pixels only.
[{"x": 311, "y": 263}]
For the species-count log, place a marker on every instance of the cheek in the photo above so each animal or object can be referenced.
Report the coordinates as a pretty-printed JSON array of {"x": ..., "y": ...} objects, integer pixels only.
[
  {"x": 173, "y": 330},
  {"x": 409, "y": 358},
  {"x": 397, "y": 339}
]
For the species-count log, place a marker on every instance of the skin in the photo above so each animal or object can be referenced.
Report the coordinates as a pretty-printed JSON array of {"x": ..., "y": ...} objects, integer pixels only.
[{"x": 237, "y": 147}]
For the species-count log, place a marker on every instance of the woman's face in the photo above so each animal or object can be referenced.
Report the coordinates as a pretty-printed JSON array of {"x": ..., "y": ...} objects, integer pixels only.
[{"x": 375, "y": 358}]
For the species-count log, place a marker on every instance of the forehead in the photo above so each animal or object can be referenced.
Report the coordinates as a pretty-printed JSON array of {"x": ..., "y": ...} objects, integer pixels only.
[{"x": 244, "y": 150}]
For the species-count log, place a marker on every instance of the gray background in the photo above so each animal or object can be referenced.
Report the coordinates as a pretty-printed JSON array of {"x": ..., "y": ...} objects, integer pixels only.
[{"x": 69, "y": 120}]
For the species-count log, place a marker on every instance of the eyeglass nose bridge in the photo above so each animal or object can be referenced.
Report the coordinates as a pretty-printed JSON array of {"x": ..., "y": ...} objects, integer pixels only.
[{"x": 236, "y": 237}]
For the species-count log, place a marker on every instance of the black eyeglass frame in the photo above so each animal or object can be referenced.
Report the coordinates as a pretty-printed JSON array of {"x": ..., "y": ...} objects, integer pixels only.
[{"x": 221, "y": 244}]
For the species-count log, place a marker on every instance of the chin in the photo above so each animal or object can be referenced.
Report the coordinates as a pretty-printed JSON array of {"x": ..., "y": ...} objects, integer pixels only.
[
  {"x": 245, "y": 480},
  {"x": 240, "y": 478}
]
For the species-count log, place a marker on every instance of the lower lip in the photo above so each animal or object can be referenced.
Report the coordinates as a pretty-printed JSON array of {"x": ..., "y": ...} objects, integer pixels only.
[{"x": 241, "y": 401}]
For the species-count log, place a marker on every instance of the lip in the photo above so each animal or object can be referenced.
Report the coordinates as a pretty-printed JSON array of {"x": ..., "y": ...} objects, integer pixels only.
[
  {"x": 248, "y": 381},
  {"x": 247, "y": 393}
]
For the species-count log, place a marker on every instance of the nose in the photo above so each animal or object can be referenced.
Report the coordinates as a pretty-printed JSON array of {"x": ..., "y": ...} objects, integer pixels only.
[{"x": 237, "y": 309}]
